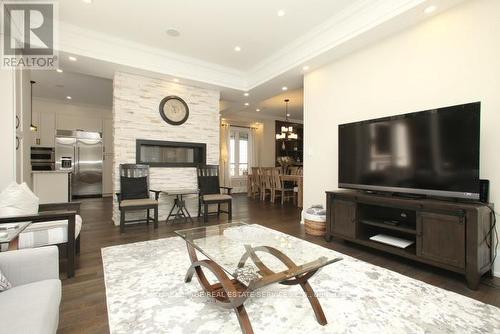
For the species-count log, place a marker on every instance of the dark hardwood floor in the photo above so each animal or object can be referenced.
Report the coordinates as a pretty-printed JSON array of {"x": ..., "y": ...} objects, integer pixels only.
[{"x": 83, "y": 308}]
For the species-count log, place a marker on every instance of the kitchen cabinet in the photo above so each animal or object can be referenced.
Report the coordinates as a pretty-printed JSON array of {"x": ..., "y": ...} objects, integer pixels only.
[
  {"x": 46, "y": 129},
  {"x": 79, "y": 122}
]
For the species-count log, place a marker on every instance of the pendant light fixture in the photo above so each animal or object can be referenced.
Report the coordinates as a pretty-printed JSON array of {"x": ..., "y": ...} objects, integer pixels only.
[
  {"x": 32, "y": 126},
  {"x": 286, "y": 131}
]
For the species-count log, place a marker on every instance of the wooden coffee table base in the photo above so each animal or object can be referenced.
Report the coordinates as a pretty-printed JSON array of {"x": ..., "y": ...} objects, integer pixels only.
[{"x": 230, "y": 293}]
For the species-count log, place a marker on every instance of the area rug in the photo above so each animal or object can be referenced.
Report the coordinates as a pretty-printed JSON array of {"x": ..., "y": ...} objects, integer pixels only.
[{"x": 146, "y": 293}]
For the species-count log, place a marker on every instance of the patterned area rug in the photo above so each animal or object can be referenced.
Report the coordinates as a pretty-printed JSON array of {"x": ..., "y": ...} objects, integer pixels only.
[{"x": 146, "y": 293}]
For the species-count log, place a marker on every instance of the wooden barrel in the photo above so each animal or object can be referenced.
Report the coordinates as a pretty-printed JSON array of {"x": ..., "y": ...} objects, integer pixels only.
[{"x": 314, "y": 228}]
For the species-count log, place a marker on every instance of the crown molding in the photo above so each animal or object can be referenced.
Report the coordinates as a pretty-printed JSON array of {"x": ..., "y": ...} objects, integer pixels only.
[
  {"x": 360, "y": 17},
  {"x": 79, "y": 41},
  {"x": 350, "y": 23}
]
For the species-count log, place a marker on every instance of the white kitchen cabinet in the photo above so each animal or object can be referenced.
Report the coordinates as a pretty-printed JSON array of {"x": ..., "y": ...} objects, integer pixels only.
[
  {"x": 46, "y": 129},
  {"x": 107, "y": 134},
  {"x": 78, "y": 122},
  {"x": 52, "y": 186}
]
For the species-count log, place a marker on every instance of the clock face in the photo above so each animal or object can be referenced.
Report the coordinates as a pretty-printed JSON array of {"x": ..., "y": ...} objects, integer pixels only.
[{"x": 174, "y": 110}]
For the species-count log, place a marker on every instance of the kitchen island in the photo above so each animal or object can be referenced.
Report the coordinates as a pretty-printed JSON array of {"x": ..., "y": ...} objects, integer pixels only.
[{"x": 52, "y": 186}]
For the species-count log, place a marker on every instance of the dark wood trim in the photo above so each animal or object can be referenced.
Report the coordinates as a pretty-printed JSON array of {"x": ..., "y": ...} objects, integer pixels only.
[
  {"x": 48, "y": 216},
  {"x": 448, "y": 234}
]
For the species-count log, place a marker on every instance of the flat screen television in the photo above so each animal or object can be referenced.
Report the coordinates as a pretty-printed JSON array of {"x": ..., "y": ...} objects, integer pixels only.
[{"x": 433, "y": 152}]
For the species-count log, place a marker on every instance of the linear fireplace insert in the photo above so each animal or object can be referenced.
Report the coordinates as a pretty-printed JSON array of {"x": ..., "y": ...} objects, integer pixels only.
[{"x": 157, "y": 153}]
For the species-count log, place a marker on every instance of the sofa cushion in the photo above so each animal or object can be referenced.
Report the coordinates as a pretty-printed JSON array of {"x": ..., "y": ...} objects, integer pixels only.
[
  {"x": 4, "y": 283},
  {"x": 32, "y": 308},
  {"x": 48, "y": 233}
]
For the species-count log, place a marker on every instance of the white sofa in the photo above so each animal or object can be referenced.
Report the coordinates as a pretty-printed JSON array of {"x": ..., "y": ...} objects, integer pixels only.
[{"x": 32, "y": 304}]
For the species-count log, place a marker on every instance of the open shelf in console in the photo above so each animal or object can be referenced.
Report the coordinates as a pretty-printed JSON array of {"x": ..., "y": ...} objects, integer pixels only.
[
  {"x": 387, "y": 218},
  {"x": 395, "y": 222}
]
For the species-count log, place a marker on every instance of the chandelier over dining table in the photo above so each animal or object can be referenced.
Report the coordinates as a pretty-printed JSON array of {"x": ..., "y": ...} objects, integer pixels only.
[{"x": 287, "y": 132}]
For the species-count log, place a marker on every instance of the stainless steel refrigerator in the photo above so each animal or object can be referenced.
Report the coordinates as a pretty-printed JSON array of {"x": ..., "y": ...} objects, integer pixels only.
[{"x": 81, "y": 153}]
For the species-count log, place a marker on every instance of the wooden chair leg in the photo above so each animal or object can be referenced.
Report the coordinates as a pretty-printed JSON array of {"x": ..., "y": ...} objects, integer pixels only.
[
  {"x": 122, "y": 221},
  {"x": 218, "y": 210},
  {"x": 205, "y": 212},
  {"x": 199, "y": 208},
  {"x": 156, "y": 217},
  {"x": 282, "y": 197},
  {"x": 148, "y": 217},
  {"x": 230, "y": 210}
]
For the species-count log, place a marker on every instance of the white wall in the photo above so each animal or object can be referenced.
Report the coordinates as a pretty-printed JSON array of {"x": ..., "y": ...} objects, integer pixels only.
[
  {"x": 7, "y": 128},
  {"x": 136, "y": 116},
  {"x": 450, "y": 59}
]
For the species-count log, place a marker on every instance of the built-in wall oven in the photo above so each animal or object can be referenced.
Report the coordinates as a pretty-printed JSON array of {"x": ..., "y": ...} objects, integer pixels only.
[{"x": 42, "y": 158}]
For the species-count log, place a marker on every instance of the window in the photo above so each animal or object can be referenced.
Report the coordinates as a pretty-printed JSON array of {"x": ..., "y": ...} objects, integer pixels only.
[{"x": 238, "y": 152}]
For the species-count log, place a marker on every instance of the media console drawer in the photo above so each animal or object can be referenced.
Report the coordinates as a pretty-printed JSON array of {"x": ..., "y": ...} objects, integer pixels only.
[{"x": 445, "y": 234}]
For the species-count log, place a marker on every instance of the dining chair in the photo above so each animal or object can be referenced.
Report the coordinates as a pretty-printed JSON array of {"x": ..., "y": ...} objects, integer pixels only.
[
  {"x": 267, "y": 184},
  {"x": 280, "y": 188},
  {"x": 254, "y": 183}
]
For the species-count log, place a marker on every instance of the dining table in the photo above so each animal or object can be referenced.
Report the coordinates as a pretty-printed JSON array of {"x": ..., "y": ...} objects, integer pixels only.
[{"x": 298, "y": 180}]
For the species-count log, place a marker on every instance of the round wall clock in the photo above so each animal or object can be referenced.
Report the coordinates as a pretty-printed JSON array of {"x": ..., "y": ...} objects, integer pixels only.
[{"x": 174, "y": 110}]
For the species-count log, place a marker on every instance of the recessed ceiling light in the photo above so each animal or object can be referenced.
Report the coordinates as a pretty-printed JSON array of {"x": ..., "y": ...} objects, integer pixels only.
[
  {"x": 305, "y": 68},
  {"x": 172, "y": 32},
  {"x": 237, "y": 48},
  {"x": 284, "y": 88},
  {"x": 247, "y": 104},
  {"x": 281, "y": 12},
  {"x": 176, "y": 80},
  {"x": 246, "y": 94},
  {"x": 68, "y": 97},
  {"x": 430, "y": 9},
  {"x": 59, "y": 70},
  {"x": 87, "y": 1},
  {"x": 72, "y": 58},
  {"x": 257, "y": 110},
  {"x": 287, "y": 115}
]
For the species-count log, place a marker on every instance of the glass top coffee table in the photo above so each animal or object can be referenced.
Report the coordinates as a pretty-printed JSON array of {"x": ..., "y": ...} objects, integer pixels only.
[
  {"x": 9, "y": 233},
  {"x": 246, "y": 257}
]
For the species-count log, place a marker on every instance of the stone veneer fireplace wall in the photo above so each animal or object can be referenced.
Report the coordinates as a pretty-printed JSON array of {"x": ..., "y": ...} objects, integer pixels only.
[{"x": 136, "y": 115}]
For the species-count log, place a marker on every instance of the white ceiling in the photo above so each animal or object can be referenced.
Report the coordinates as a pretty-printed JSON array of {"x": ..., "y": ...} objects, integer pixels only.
[
  {"x": 209, "y": 29},
  {"x": 130, "y": 35}
]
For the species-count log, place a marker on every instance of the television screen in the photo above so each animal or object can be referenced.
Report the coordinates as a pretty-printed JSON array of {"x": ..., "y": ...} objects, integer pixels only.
[{"x": 433, "y": 152}]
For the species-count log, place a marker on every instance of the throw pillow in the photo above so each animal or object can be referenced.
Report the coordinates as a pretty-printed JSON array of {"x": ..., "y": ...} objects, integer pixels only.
[
  {"x": 4, "y": 283},
  {"x": 18, "y": 199}
]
